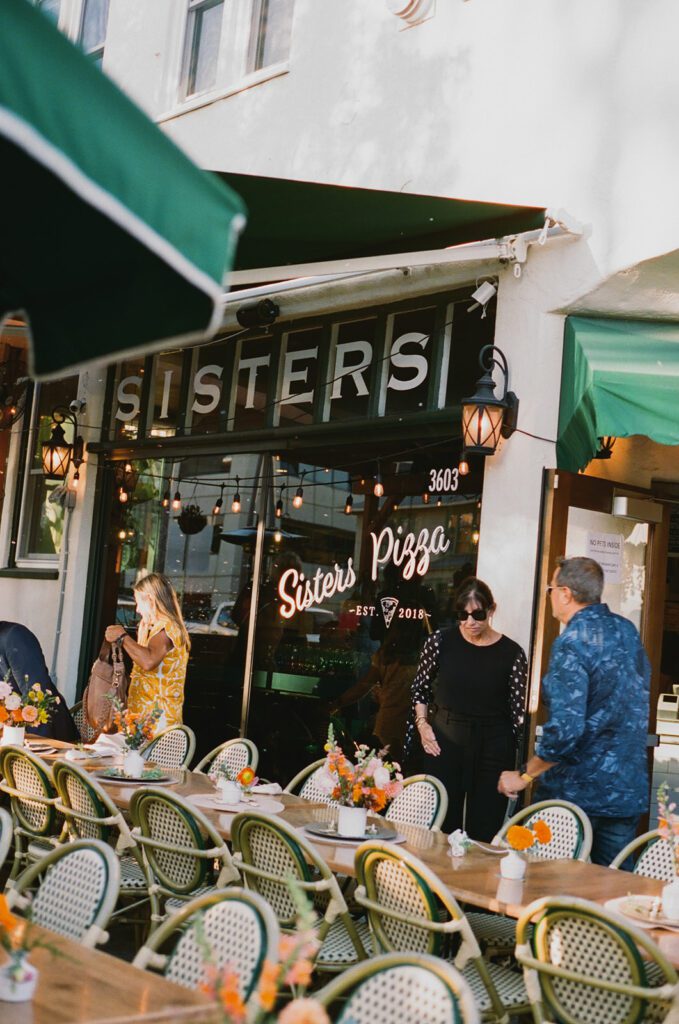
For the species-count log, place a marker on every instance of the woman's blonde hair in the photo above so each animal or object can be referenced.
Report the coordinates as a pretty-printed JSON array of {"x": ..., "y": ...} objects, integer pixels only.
[{"x": 162, "y": 591}]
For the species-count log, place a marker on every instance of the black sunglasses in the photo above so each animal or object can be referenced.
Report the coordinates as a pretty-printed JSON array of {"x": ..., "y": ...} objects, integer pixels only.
[{"x": 478, "y": 614}]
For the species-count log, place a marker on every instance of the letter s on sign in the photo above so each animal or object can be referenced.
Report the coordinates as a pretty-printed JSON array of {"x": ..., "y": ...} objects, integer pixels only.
[{"x": 409, "y": 361}]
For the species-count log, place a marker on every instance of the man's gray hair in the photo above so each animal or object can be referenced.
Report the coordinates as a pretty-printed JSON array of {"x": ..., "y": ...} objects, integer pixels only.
[{"x": 583, "y": 576}]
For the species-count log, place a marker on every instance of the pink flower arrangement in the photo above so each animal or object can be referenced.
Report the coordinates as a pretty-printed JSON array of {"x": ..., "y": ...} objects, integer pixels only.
[
  {"x": 30, "y": 708},
  {"x": 371, "y": 782}
]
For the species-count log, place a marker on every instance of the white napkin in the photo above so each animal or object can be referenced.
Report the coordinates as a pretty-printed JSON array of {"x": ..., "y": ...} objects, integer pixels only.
[
  {"x": 75, "y": 755},
  {"x": 267, "y": 787},
  {"x": 112, "y": 743}
]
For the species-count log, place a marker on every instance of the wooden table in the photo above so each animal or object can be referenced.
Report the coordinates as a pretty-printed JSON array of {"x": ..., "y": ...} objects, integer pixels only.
[
  {"x": 473, "y": 879},
  {"x": 87, "y": 986}
]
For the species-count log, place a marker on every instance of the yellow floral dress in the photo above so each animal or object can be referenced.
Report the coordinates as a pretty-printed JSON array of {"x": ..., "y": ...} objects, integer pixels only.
[{"x": 164, "y": 685}]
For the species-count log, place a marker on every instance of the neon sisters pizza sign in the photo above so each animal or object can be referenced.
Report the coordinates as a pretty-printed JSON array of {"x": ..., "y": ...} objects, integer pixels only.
[{"x": 410, "y": 552}]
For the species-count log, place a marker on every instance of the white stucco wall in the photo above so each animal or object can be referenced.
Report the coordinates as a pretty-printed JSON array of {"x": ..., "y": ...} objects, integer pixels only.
[{"x": 517, "y": 101}]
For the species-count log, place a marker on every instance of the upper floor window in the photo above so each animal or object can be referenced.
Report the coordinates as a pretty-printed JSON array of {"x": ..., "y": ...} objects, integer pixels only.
[
  {"x": 93, "y": 23},
  {"x": 52, "y": 8},
  {"x": 270, "y": 33},
  {"x": 201, "y": 52}
]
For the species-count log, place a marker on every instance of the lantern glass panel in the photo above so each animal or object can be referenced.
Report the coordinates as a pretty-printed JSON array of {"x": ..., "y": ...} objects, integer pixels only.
[{"x": 481, "y": 426}]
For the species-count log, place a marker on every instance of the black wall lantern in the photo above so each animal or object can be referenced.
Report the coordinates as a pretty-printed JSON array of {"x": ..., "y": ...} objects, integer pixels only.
[
  {"x": 486, "y": 418},
  {"x": 57, "y": 453}
]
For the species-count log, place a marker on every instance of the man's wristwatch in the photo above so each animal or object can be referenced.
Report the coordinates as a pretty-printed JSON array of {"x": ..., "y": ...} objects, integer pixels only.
[{"x": 525, "y": 776}]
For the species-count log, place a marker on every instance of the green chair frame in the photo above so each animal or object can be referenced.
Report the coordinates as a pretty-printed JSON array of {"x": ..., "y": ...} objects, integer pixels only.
[
  {"x": 410, "y": 910},
  {"x": 423, "y": 801},
  {"x": 601, "y": 976},
  {"x": 239, "y": 926},
  {"x": 408, "y": 987},
  {"x": 171, "y": 748},
  {"x": 181, "y": 850},
  {"x": 269, "y": 853},
  {"x": 89, "y": 813},
  {"x": 655, "y": 856},
  {"x": 237, "y": 754},
  {"x": 77, "y": 889},
  {"x": 6, "y": 833},
  {"x": 302, "y": 784},
  {"x": 27, "y": 780}
]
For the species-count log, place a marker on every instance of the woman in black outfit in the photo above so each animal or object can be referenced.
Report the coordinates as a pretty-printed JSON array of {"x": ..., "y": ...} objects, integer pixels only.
[{"x": 469, "y": 705}]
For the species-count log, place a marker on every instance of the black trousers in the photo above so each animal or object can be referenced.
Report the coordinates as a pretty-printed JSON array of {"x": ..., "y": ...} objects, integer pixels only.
[{"x": 473, "y": 753}]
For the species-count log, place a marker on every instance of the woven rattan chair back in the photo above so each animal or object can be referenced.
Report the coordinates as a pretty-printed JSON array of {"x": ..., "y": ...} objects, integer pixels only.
[
  {"x": 570, "y": 827},
  {"x": 172, "y": 748},
  {"x": 423, "y": 801},
  {"x": 182, "y": 851},
  {"x": 654, "y": 856},
  {"x": 6, "y": 832},
  {"x": 582, "y": 963},
  {"x": 235, "y": 754},
  {"x": 77, "y": 890},
  {"x": 85, "y": 730},
  {"x": 305, "y": 784},
  {"x": 400, "y": 987},
  {"x": 88, "y": 810},
  {"x": 238, "y": 927},
  {"x": 28, "y": 782}
]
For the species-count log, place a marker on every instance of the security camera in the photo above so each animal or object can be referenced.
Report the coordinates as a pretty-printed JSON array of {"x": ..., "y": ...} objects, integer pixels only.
[
  {"x": 482, "y": 296},
  {"x": 258, "y": 313},
  {"x": 76, "y": 406}
]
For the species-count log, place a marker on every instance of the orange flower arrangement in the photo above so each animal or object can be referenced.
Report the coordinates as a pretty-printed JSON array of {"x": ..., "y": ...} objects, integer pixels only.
[
  {"x": 30, "y": 708},
  {"x": 522, "y": 837},
  {"x": 137, "y": 728},
  {"x": 372, "y": 782}
]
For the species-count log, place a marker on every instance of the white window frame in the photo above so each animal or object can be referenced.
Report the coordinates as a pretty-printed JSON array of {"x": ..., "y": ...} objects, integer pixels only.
[{"x": 97, "y": 53}]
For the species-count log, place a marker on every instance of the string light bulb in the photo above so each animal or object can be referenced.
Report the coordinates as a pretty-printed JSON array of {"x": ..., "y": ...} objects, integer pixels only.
[
  {"x": 463, "y": 465},
  {"x": 76, "y": 479},
  {"x": 165, "y": 503},
  {"x": 216, "y": 511},
  {"x": 235, "y": 504},
  {"x": 298, "y": 500},
  {"x": 123, "y": 496},
  {"x": 425, "y": 497},
  {"x": 349, "y": 504},
  {"x": 378, "y": 488},
  {"x": 278, "y": 511},
  {"x": 122, "y": 534},
  {"x": 177, "y": 502},
  {"x": 278, "y": 536},
  {"x": 439, "y": 501}
]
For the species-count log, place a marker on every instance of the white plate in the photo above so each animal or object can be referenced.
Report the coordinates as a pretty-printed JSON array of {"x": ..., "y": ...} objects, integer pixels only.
[
  {"x": 121, "y": 780},
  {"x": 638, "y": 909},
  {"x": 261, "y": 803},
  {"x": 322, "y": 832}
]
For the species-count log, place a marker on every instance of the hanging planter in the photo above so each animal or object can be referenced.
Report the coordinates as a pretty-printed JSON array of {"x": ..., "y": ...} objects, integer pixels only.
[{"x": 192, "y": 520}]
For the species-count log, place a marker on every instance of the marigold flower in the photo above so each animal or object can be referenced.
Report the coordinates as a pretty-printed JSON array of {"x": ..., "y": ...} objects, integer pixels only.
[
  {"x": 542, "y": 831},
  {"x": 17, "y": 715},
  {"x": 246, "y": 776},
  {"x": 4, "y": 715},
  {"x": 303, "y": 1011},
  {"x": 7, "y": 919},
  {"x": 520, "y": 838}
]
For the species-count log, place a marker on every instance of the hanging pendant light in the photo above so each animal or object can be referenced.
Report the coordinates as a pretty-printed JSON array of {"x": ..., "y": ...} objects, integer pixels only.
[
  {"x": 235, "y": 504},
  {"x": 217, "y": 509},
  {"x": 177, "y": 501},
  {"x": 278, "y": 511},
  {"x": 463, "y": 465},
  {"x": 378, "y": 486},
  {"x": 298, "y": 500},
  {"x": 349, "y": 504}
]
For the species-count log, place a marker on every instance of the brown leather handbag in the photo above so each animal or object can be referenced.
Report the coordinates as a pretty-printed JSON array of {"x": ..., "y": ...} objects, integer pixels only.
[{"x": 108, "y": 681}]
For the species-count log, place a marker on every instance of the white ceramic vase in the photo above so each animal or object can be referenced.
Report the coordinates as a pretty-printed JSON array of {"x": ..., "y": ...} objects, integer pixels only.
[
  {"x": 14, "y": 735},
  {"x": 513, "y": 865},
  {"x": 670, "y": 900},
  {"x": 18, "y": 979},
  {"x": 351, "y": 821},
  {"x": 229, "y": 791},
  {"x": 133, "y": 763}
]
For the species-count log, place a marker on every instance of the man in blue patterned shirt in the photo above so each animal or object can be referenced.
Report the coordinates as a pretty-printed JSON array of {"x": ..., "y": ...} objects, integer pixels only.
[{"x": 593, "y": 747}]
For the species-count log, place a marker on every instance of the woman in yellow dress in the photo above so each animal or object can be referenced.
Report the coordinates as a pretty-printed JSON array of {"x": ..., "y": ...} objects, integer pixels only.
[{"x": 161, "y": 651}]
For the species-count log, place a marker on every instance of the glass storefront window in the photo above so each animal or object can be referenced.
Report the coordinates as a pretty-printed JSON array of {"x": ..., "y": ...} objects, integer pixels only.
[
  {"x": 167, "y": 382},
  {"x": 338, "y": 592},
  {"x": 127, "y": 386}
]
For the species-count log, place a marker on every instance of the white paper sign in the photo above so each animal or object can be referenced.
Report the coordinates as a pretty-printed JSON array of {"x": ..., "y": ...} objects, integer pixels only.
[{"x": 606, "y": 549}]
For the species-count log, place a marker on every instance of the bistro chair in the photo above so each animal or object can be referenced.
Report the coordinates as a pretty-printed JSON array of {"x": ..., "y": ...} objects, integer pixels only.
[
  {"x": 239, "y": 927},
  {"x": 423, "y": 801},
  {"x": 27, "y": 781},
  {"x": 411, "y": 911},
  {"x": 406, "y": 987},
  {"x": 183, "y": 855},
  {"x": 305, "y": 784},
  {"x": 654, "y": 856},
  {"x": 571, "y": 840},
  {"x": 89, "y": 813},
  {"x": 77, "y": 889},
  {"x": 269, "y": 853},
  {"x": 85, "y": 730},
  {"x": 6, "y": 832},
  {"x": 172, "y": 748},
  {"x": 235, "y": 754},
  {"x": 582, "y": 963}
]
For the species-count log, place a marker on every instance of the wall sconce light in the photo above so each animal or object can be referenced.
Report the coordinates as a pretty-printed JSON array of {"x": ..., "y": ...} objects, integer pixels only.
[
  {"x": 485, "y": 418},
  {"x": 606, "y": 445},
  {"x": 235, "y": 504},
  {"x": 57, "y": 453}
]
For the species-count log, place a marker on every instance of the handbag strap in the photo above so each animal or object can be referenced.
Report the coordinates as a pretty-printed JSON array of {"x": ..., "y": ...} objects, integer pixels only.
[{"x": 105, "y": 651}]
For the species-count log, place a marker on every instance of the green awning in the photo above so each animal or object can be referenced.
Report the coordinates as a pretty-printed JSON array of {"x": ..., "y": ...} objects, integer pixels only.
[
  {"x": 619, "y": 378},
  {"x": 113, "y": 240},
  {"x": 291, "y": 222}
]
